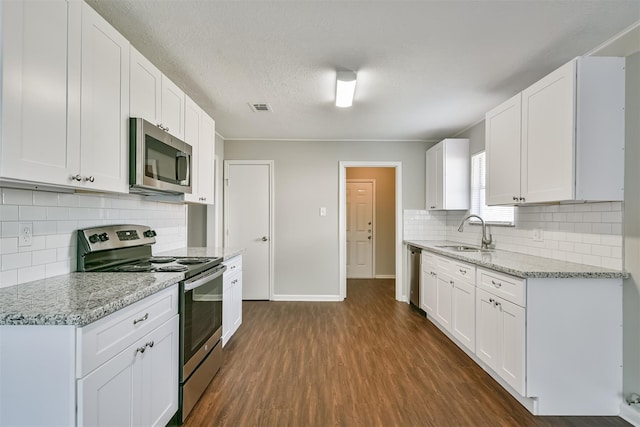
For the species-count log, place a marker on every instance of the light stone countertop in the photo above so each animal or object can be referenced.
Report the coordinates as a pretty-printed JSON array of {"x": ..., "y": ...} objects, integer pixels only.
[
  {"x": 520, "y": 265},
  {"x": 78, "y": 298},
  {"x": 225, "y": 253}
]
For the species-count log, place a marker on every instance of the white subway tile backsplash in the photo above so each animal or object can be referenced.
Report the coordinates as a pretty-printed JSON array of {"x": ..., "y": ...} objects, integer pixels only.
[
  {"x": 28, "y": 274},
  {"x": 32, "y": 213},
  {"x": 16, "y": 261},
  {"x": 12, "y": 196},
  {"x": 9, "y": 213},
  {"x": 56, "y": 217},
  {"x": 44, "y": 198},
  {"x": 587, "y": 233}
]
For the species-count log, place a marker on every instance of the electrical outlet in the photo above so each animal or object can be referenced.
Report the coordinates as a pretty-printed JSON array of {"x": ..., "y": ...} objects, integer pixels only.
[
  {"x": 26, "y": 234},
  {"x": 538, "y": 235}
]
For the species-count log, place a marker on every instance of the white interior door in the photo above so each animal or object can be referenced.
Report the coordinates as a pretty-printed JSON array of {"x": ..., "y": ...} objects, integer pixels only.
[
  {"x": 249, "y": 219},
  {"x": 360, "y": 229}
]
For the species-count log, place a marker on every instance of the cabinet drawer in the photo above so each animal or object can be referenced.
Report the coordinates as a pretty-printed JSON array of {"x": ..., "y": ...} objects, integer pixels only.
[
  {"x": 463, "y": 271},
  {"x": 508, "y": 287},
  {"x": 233, "y": 264},
  {"x": 103, "y": 339}
]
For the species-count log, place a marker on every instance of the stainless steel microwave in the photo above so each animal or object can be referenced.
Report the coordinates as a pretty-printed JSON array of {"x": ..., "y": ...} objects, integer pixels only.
[{"x": 158, "y": 161}]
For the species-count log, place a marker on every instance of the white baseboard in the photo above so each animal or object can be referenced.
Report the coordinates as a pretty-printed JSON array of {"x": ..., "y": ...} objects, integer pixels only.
[
  {"x": 316, "y": 298},
  {"x": 630, "y": 414},
  {"x": 385, "y": 276}
]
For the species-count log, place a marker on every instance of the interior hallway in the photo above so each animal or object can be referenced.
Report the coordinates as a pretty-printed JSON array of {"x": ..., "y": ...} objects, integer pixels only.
[{"x": 368, "y": 361}]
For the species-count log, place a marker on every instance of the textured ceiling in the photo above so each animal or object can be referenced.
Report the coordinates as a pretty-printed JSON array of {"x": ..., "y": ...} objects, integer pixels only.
[{"x": 426, "y": 69}]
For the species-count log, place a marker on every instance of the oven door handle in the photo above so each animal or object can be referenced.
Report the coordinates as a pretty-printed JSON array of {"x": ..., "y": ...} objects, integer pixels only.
[{"x": 199, "y": 281}]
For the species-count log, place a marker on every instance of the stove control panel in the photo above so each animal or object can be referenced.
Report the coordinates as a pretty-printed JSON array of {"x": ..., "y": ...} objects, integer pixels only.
[{"x": 114, "y": 237}]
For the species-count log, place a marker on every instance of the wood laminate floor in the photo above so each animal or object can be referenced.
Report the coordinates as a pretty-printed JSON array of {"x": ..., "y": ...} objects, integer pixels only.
[{"x": 367, "y": 361}]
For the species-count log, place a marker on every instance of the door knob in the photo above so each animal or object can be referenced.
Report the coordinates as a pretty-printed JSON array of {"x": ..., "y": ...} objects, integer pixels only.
[
  {"x": 369, "y": 237},
  {"x": 264, "y": 238}
]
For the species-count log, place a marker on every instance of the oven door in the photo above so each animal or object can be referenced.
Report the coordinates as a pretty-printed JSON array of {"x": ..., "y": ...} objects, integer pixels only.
[{"x": 200, "y": 319}]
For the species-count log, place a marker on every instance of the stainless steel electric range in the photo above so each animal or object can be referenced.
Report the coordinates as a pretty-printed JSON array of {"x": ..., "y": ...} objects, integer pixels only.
[{"x": 127, "y": 249}]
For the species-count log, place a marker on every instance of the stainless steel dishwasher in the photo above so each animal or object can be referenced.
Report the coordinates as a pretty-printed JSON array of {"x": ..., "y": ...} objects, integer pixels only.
[{"x": 414, "y": 275}]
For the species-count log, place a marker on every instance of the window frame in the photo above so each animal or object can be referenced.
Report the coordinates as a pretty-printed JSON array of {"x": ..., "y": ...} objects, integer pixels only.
[{"x": 478, "y": 185}]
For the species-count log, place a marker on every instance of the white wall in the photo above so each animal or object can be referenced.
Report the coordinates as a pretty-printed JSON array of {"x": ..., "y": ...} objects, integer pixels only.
[
  {"x": 306, "y": 178},
  {"x": 55, "y": 218}
]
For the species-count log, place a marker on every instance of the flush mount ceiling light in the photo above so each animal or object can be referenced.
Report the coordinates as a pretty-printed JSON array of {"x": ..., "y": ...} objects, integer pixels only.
[{"x": 345, "y": 88}]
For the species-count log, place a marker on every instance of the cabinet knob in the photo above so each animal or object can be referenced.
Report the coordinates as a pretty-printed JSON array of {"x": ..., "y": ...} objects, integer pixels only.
[
  {"x": 491, "y": 300},
  {"x": 89, "y": 178},
  {"x": 264, "y": 238},
  {"x": 150, "y": 344},
  {"x": 140, "y": 349},
  {"x": 75, "y": 177},
  {"x": 451, "y": 281},
  {"x": 522, "y": 199},
  {"x": 515, "y": 198}
]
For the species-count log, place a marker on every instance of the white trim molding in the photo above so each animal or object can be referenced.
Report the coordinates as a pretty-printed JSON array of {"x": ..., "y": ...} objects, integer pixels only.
[
  {"x": 630, "y": 414},
  {"x": 307, "y": 298},
  {"x": 401, "y": 292},
  {"x": 385, "y": 276}
]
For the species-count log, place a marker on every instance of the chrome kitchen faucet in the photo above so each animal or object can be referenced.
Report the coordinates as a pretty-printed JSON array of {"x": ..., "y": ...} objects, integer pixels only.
[{"x": 485, "y": 242}]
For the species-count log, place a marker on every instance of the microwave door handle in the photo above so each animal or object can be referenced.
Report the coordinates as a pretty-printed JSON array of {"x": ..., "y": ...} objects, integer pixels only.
[{"x": 182, "y": 157}]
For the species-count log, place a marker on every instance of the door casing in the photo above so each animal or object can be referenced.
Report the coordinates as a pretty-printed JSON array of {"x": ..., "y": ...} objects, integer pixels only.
[{"x": 401, "y": 292}]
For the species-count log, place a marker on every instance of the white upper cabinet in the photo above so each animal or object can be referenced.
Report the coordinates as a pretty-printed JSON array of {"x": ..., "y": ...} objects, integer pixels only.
[
  {"x": 40, "y": 61},
  {"x": 448, "y": 175},
  {"x": 65, "y": 77},
  {"x": 104, "y": 125},
  {"x": 155, "y": 98},
  {"x": 562, "y": 138},
  {"x": 144, "y": 88},
  {"x": 200, "y": 134},
  {"x": 503, "y": 152}
]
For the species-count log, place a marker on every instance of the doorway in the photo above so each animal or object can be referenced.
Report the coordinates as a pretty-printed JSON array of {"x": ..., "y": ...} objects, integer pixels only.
[
  {"x": 395, "y": 252},
  {"x": 249, "y": 219}
]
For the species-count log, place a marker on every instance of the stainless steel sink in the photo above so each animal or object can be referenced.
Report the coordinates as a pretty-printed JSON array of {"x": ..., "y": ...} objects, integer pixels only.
[{"x": 463, "y": 248}]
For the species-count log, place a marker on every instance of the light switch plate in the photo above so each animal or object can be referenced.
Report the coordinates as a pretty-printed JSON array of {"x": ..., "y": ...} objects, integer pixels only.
[
  {"x": 323, "y": 211},
  {"x": 538, "y": 235}
]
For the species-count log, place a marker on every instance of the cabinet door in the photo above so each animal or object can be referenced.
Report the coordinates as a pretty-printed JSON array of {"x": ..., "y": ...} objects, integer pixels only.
[
  {"x": 236, "y": 287},
  {"x": 206, "y": 160},
  {"x": 548, "y": 137},
  {"x": 159, "y": 376},
  {"x": 435, "y": 172},
  {"x": 503, "y": 152},
  {"x": 108, "y": 396},
  {"x": 487, "y": 318},
  {"x": 511, "y": 361},
  {"x": 428, "y": 283},
  {"x": 444, "y": 294},
  {"x": 104, "y": 105},
  {"x": 173, "y": 100},
  {"x": 192, "y": 124},
  {"x": 144, "y": 88},
  {"x": 463, "y": 319},
  {"x": 40, "y": 56}
]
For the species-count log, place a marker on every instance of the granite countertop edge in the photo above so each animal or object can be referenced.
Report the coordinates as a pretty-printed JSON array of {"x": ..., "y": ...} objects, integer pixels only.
[
  {"x": 23, "y": 312},
  {"x": 566, "y": 270}
]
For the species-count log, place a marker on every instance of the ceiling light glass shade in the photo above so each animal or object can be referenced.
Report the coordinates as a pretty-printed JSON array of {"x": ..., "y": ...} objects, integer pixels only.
[{"x": 345, "y": 88}]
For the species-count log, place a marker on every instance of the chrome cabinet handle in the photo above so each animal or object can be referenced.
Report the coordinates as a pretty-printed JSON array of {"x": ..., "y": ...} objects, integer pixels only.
[
  {"x": 264, "y": 238},
  {"x": 150, "y": 344},
  {"x": 75, "y": 177},
  {"x": 522, "y": 199},
  {"x": 491, "y": 300},
  {"x": 142, "y": 319},
  {"x": 515, "y": 198},
  {"x": 140, "y": 349},
  {"x": 463, "y": 272},
  {"x": 89, "y": 178},
  {"x": 496, "y": 284},
  {"x": 234, "y": 282},
  {"x": 451, "y": 281}
]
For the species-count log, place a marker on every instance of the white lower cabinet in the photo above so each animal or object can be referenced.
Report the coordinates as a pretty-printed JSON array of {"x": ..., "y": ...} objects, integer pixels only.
[
  {"x": 501, "y": 338},
  {"x": 542, "y": 339},
  {"x": 121, "y": 370},
  {"x": 136, "y": 387},
  {"x": 231, "y": 298}
]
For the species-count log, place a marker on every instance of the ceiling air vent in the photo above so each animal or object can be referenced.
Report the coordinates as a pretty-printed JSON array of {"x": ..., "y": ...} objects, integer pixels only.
[{"x": 260, "y": 107}]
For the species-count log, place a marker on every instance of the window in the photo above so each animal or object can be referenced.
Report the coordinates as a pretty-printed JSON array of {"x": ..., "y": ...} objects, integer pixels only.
[{"x": 491, "y": 214}]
